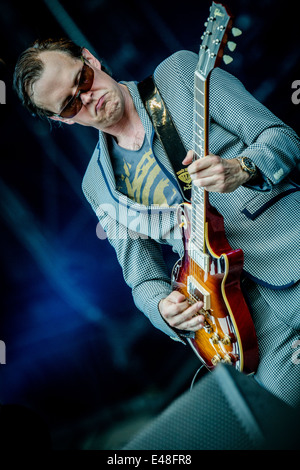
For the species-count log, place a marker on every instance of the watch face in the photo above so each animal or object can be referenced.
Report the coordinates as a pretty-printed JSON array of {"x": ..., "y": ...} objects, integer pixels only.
[{"x": 249, "y": 165}]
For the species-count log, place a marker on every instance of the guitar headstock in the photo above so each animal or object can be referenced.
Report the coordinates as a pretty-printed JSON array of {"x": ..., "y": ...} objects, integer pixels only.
[{"x": 215, "y": 38}]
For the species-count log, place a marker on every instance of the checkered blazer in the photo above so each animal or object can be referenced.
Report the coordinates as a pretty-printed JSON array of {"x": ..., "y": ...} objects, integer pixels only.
[{"x": 263, "y": 221}]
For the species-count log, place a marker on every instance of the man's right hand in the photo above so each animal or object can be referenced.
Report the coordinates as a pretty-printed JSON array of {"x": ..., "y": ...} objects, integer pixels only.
[{"x": 178, "y": 313}]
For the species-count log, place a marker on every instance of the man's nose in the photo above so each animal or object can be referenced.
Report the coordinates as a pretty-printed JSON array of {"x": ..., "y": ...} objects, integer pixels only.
[{"x": 86, "y": 97}]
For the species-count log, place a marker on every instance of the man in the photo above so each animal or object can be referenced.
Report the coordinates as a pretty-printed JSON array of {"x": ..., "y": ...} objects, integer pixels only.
[{"x": 130, "y": 182}]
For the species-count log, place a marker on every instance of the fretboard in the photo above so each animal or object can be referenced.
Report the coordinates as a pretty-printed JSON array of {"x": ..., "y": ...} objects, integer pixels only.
[{"x": 200, "y": 150}]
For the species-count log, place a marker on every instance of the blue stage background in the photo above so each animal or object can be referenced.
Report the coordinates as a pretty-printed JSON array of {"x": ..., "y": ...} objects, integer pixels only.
[{"x": 78, "y": 352}]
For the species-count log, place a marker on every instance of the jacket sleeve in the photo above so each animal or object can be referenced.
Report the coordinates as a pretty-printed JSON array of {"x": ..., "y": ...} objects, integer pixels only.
[
  {"x": 272, "y": 145},
  {"x": 143, "y": 268}
]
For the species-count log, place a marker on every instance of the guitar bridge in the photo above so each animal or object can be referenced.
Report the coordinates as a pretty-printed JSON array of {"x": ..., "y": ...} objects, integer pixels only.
[{"x": 198, "y": 292}]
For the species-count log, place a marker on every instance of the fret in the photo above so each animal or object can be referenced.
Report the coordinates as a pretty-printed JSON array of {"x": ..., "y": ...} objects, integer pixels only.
[
  {"x": 198, "y": 208},
  {"x": 197, "y": 240},
  {"x": 199, "y": 128},
  {"x": 197, "y": 90},
  {"x": 198, "y": 136},
  {"x": 197, "y": 146},
  {"x": 198, "y": 216},
  {"x": 198, "y": 220},
  {"x": 199, "y": 120},
  {"x": 195, "y": 231},
  {"x": 200, "y": 117},
  {"x": 197, "y": 102},
  {"x": 199, "y": 83},
  {"x": 198, "y": 150},
  {"x": 199, "y": 131},
  {"x": 197, "y": 155},
  {"x": 199, "y": 108},
  {"x": 198, "y": 203},
  {"x": 199, "y": 98},
  {"x": 197, "y": 235},
  {"x": 198, "y": 192},
  {"x": 198, "y": 224}
]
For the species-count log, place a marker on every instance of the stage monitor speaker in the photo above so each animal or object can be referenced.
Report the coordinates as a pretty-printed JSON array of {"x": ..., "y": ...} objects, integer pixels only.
[{"x": 226, "y": 410}]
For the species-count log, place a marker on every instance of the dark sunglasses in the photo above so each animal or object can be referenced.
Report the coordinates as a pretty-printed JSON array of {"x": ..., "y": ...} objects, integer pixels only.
[{"x": 85, "y": 84}]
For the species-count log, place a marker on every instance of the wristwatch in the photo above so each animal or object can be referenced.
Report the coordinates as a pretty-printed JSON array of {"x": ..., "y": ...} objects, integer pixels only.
[{"x": 247, "y": 165}]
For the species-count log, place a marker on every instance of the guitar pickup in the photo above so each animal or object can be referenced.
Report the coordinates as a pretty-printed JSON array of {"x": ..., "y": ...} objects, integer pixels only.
[{"x": 198, "y": 292}]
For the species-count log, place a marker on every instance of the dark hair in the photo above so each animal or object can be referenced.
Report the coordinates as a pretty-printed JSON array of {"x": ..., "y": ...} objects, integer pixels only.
[{"x": 29, "y": 69}]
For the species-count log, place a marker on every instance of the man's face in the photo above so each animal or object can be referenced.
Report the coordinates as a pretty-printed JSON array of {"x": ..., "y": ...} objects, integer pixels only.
[{"x": 103, "y": 104}]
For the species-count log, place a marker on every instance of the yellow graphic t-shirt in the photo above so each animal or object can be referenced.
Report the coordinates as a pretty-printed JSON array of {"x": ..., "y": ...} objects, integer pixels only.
[{"x": 139, "y": 176}]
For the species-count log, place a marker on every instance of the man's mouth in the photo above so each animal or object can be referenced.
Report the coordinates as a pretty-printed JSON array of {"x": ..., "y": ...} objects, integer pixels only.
[{"x": 100, "y": 103}]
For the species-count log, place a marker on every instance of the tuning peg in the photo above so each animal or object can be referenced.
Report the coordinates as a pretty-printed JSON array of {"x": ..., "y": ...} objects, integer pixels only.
[
  {"x": 227, "y": 59},
  {"x": 231, "y": 46},
  {"x": 236, "y": 32}
]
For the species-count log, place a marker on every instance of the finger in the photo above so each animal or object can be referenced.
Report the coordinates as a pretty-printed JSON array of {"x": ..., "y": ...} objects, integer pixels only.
[
  {"x": 189, "y": 158},
  {"x": 194, "y": 324},
  {"x": 210, "y": 164},
  {"x": 198, "y": 167},
  {"x": 172, "y": 306},
  {"x": 216, "y": 183},
  {"x": 209, "y": 182},
  {"x": 173, "y": 309},
  {"x": 190, "y": 317},
  {"x": 176, "y": 297}
]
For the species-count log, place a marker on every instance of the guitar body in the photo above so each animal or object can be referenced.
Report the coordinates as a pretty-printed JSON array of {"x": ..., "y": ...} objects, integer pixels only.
[{"x": 228, "y": 334}]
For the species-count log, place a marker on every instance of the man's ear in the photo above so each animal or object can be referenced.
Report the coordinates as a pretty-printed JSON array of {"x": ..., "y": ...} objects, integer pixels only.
[
  {"x": 66, "y": 121},
  {"x": 91, "y": 58}
]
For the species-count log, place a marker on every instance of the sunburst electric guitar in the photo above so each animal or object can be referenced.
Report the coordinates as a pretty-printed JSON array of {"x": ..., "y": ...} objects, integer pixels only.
[{"x": 210, "y": 269}]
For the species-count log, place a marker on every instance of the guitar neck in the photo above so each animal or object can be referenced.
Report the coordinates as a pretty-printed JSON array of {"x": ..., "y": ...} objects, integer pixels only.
[
  {"x": 214, "y": 40},
  {"x": 201, "y": 149}
]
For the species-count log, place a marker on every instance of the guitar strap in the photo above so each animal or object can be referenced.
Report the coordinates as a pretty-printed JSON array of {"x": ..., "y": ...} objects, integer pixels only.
[{"x": 167, "y": 133}]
